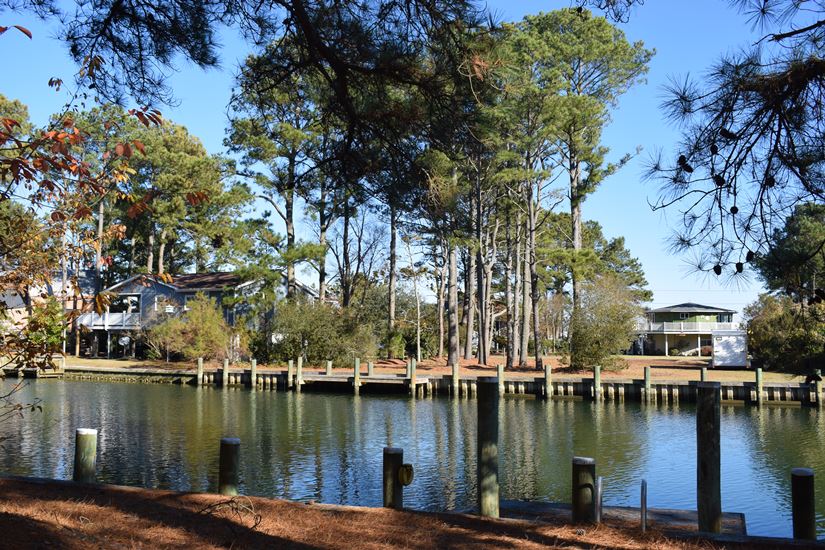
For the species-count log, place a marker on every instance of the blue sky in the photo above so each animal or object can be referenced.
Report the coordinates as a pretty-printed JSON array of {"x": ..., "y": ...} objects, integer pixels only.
[{"x": 688, "y": 37}]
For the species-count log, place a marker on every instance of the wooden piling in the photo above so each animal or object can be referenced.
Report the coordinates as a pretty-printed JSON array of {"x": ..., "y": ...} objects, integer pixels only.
[
  {"x": 85, "y": 455},
  {"x": 597, "y": 382},
  {"x": 803, "y": 509},
  {"x": 356, "y": 381},
  {"x": 413, "y": 385},
  {"x": 329, "y": 368},
  {"x": 548, "y": 381},
  {"x": 289, "y": 368},
  {"x": 393, "y": 490},
  {"x": 369, "y": 368},
  {"x": 230, "y": 458},
  {"x": 818, "y": 388},
  {"x": 643, "y": 505},
  {"x": 703, "y": 374},
  {"x": 225, "y": 373},
  {"x": 487, "y": 449},
  {"x": 253, "y": 375},
  {"x": 299, "y": 373},
  {"x": 584, "y": 490},
  {"x": 199, "y": 376},
  {"x": 647, "y": 385},
  {"x": 500, "y": 378},
  {"x": 455, "y": 381},
  {"x": 760, "y": 389},
  {"x": 409, "y": 365},
  {"x": 708, "y": 457}
]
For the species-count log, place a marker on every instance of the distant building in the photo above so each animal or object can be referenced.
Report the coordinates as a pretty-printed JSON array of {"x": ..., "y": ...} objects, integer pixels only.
[{"x": 687, "y": 327}]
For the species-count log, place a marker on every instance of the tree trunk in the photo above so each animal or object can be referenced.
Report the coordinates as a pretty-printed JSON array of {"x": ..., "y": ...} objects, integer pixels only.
[
  {"x": 346, "y": 284},
  {"x": 150, "y": 247},
  {"x": 392, "y": 279},
  {"x": 453, "y": 348},
  {"x": 161, "y": 251},
  {"x": 576, "y": 220},
  {"x": 99, "y": 248},
  {"x": 289, "y": 222},
  {"x": 524, "y": 352},
  {"x": 132, "y": 249},
  {"x": 470, "y": 301},
  {"x": 322, "y": 261},
  {"x": 510, "y": 301},
  {"x": 442, "y": 283},
  {"x": 534, "y": 280}
]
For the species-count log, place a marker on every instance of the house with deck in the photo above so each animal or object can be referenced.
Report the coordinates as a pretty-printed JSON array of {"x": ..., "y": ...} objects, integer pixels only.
[
  {"x": 687, "y": 327},
  {"x": 140, "y": 301}
]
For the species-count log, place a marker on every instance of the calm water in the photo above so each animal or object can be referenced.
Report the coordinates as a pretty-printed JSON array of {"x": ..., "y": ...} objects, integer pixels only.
[{"x": 328, "y": 447}]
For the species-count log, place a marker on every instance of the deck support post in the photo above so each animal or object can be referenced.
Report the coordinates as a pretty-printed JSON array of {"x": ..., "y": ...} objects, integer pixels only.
[
  {"x": 708, "y": 457},
  {"x": 647, "y": 385},
  {"x": 225, "y": 373},
  {"x": 548, "y": 381},
  {"x": 253, "y": 374},
  {"x": 760, "y": 388},
  {"x": 487, "y": 449},
  {"x": 369, "y": 368},
  {"x": 299, "y": 374},
  {"x": 199, "y": 376},
  {"x": 597, "y": 383},
  {"x": 85, "y": 455},
  {"x": 803, "y": 509},
  {"x": 289, "y": 367},
  {"x": 455, "y": 381},
  {"x": 356, "y": 380},
  {"x": 500, "y": 378},
  {"x": 584, "y": 490},
  {"x": 230, "y": 458},
  {"x": 413, "y": 386}
]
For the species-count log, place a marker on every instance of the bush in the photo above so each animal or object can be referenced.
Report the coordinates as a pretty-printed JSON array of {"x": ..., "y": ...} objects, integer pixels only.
[
  {"x": 674, "y": 351},
  {"x": 397, "y": 345},
  {"x": 604, "y": 323},
  {"x": 200, "y": 332},
  {"x": 784, "y": 335},
  {"x": 707, "y": 351}
]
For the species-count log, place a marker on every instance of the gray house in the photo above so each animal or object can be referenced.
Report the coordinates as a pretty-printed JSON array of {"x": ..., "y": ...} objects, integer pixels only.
[{"x": 140, "y": 301}]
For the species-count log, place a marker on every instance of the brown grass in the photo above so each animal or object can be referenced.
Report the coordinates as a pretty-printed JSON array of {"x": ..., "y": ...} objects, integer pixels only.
[{"x": 63, "y": 515}]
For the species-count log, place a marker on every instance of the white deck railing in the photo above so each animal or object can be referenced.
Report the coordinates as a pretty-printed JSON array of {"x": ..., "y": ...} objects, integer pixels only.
[
  {"x": 679, "y": 327},
  {"x": 108, "y": 320}
]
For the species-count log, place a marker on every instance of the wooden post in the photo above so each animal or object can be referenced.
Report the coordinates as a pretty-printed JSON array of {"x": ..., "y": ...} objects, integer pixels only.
[
  {"x": 253, "y": 375},
  {"x": 500, "y": 378},
  {"x": 230, "y": 458},
  {"x": 85, "y": 455},
  {"x": 413, "y": 385},
  {"x": 818, "y": 388},
  {"x": 759, "y": 386},
  {"x": 643, "y": 505},
  {"x": 487, "y": 450},
  {"x": 599, "y": 499},
  {"x": 597, "y": 382},
  {"x": 199, "y": 376},
  {"x": 289, "y": 367},
  {"x": 329, "y": 368},
  {"x": 369, "y": 368},
  {"x": 393, "y": 490},
  {"x": 225, "y": 373},
  {"x": 455, "y": 380},
  {"x": 356, "y": 381},
  {"x": 803, "y": 508},
  {"x": 647, "y": 385},
  {"x": 584, "y": 490},
  {"x": 409, "y": 365},
  {"x": 299, "y": 373},
  {"x": 703, "y": 374},
  {"x": 548, "y": 381},
  {"x": 708, "y": 457}
]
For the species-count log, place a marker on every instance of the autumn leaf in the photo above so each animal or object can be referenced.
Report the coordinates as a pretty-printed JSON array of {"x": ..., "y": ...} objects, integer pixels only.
[{"x": 24, "y": 30}]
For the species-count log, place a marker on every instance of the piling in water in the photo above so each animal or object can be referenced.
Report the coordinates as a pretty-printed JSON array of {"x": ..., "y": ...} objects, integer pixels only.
[
  {"x": 85, "y": 455},
  {"x": 393, "y": 490},
  {"x": 548, "y": 382},
  {"x": 703, "y": 374},
  {"x": 708, "y": 457},
  {"x": 230, "y": 457},
  {"x": 299, "y": 373},
  {"x": 369, "y": 368},
  {"x": 647, "y": 385},
  {"x": 759, "y": 386},
  {"x": 225, "y": 373},
  {"x": 413, "y": 385},
  {"x": 253, "y": 375},
  {"x": 500, "y": 378},
  {"x": 356, "y": 381},
  {"x": 199, "y": 376},
  {"x": 643, "y": 505},
  {"x": 803, "y": 509},
  {"x": 455, "y": 381},
  {"x": 329, "y": 368},
  {"x": 597, "y": 382},
  {"x": 289, "y": 368},
  {"x": 584, "y": 490},
  {"x": 487, "y": 449}
]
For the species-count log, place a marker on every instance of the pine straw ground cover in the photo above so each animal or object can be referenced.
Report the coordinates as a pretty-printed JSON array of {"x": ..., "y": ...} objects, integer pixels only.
[{"x": 65, "y": 515}]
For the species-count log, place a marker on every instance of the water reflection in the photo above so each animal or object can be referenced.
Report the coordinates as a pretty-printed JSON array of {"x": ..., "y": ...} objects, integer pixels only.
[{"x": 329, "y": 447}]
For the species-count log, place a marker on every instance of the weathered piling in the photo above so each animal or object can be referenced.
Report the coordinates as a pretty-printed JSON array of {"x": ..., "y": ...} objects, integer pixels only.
[
  {"x": 455, "y": 381},
  {"x": 487, "y": 450},
  {"x": 199, "y": 377},
  {"x": 647, "y": 385},
  {"x": 369, "y": 368},
  {"x": 599, "y": 498},
  {"x": 597, "y": 382},
  {"x": 643, "y": 505},
  {"x": 329, "y": 368},
  {"x": 760, "y": 388},
  {"x": 584, "y": 490},
  {"x": 289, "y": 368},
  {"x": 356, "y": 381},
  {"x": 85, "y": 455},
  {"x": 708, "y": 457},
  {"x": 393, "y": 490},
  {"x": 548, "y": 381},
  {"x": 230, "y": 458},
  {"x": 299, "y": 373},
  {"x": 225, "y": 373},
  {"x": 413, "y": 385},
  {"x": 253, "y": 374},
  {"x": 500, "y": 378},
  {"x": 703, "y": 374},
  {"x": 409, "y": 365},
  {"x": 803, "y": 509},
  {"x": 818, "y": 387}
]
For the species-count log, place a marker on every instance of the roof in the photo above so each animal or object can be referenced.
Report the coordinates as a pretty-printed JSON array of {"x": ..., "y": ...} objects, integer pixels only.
[
  {"x": 690, "y": 307},
  {"x": 206, "y": 281}
]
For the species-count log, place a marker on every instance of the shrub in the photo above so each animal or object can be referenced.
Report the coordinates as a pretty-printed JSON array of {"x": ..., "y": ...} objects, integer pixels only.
[
  {"x": 397, "y": 345},
  {"x": 707, "y": 351},
  {"x": 674, "y": 351},
  {"x": 604, "y": 323},
  {"x": 200, "y": 332}
]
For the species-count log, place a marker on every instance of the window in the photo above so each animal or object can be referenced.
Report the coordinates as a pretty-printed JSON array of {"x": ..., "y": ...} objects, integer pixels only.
[
  {"x": 125, "y": 304},
  {"x": 684, "y": 316}
]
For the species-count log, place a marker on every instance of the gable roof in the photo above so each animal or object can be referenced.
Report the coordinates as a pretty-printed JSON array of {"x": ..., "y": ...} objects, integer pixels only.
[
  {"x": 217, "y": 280},
  {"x": 690, "y": 307}
]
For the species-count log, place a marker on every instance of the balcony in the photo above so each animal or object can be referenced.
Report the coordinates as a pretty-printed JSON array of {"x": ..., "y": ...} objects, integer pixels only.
[
  {"x": 678, "y": 327},
  {"x": 107, "y": 321}
]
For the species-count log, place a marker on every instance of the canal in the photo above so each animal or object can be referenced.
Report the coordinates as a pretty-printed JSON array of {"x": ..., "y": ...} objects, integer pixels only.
[{"x": 327, "y": 447}]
